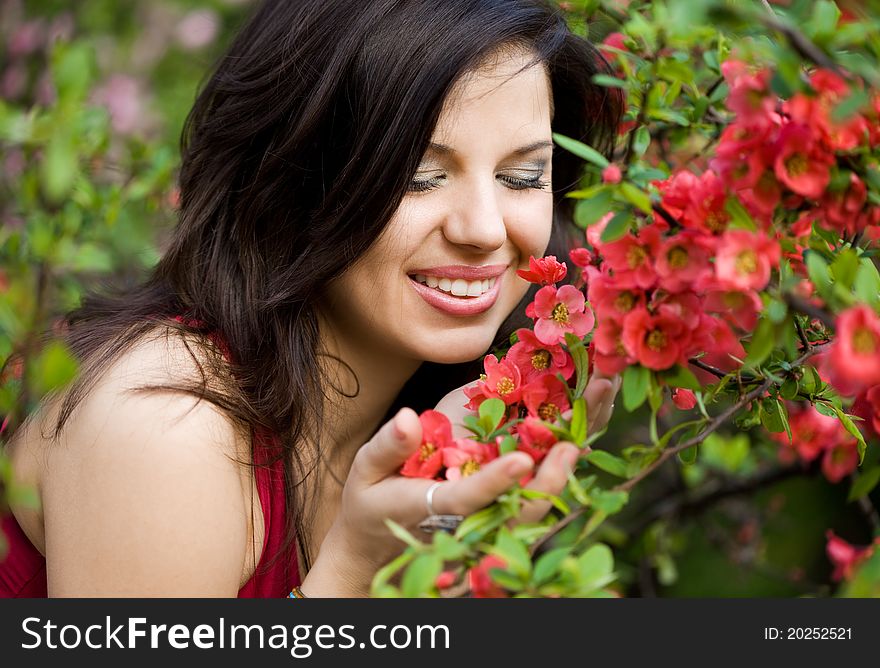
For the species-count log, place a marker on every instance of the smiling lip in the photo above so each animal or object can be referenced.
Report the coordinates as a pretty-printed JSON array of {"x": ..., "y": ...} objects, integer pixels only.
[
  {"x": 465, "y": 271},
  {"x": 459, "y": 306}
]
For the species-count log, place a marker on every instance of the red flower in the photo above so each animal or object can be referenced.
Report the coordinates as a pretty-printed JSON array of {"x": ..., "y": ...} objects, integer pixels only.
[
  {"x": 534, "y": 438},
  {"x": 481, "y": 583},
  {"x": 840, "y": 460},
  {"x": 465, "y": 457},
  {"x": 610, "y": 355},
  {"x": 535, "y": 359},
  {"x": 855, "y": 353},
  {"x": 682, "y": 260},
  {"x": 656, "y": 341},
  {"x": 744, "y": 260},
  {"x": 740, "y": 308},
  {"x": 867, "y": 407},
  {"x": 608, "y": 299},
  {"x": 581, "y": 257},
  {"x": 559, "y": 311},
  {"x": 841, "y": 208},
  {"x": 801, "y": 162},
  {"x": 611, "y": 174},
  {"x": 749, "y": 95},
  {"x": 706, "y": 207},
  {"x": 436, "y": 435},
  {"x": 544, "y": 271},
  {"x": 546, "y": 398},
  {"x": 503, "y": 380},
  {"x": 845, "y": 556},
  {"x": 683, "y": 398},
  {"x": 445, "y": 579},
  {"x": 631, "y": 258}
]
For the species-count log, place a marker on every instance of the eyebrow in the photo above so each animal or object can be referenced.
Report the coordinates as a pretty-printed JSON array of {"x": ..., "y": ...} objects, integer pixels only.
[{"x": 443, "y": 149}]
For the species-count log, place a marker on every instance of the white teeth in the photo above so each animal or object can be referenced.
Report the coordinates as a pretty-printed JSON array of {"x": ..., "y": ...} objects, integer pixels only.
[{"x": 459, "y": 286}]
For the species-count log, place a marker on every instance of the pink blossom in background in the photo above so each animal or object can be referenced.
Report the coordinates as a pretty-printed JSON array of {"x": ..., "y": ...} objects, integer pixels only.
[
  {"x": 123, "y": 98},
  {"x": 27, "y": 38},
  {"x": 197, "y": 29}
]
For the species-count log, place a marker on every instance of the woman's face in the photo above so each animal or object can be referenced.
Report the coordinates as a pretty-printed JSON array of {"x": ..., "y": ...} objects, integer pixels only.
[{"x": 441, "y": 279}]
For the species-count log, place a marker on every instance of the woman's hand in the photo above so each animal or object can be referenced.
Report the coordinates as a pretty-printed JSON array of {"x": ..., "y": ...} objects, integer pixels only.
[{"x": 359, "y": 543}]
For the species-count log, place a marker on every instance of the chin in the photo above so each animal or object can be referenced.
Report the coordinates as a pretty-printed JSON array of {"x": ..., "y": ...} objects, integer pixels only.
[{"x": 457, "y": 347}]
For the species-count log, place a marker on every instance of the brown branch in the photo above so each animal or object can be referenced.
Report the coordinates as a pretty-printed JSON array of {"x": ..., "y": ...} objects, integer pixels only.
[
  {"x": 807, "y": 308},
  {"x": 713, "y": 426}
]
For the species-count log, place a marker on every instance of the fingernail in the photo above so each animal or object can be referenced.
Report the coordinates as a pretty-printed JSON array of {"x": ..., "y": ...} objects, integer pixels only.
[
  {"x": 518, "y": 466},
  {"x": 399, "y": 434}
]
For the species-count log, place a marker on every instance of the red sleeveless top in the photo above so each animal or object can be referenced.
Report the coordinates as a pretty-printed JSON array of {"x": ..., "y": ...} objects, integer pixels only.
[{"x": 23, "y": 568}]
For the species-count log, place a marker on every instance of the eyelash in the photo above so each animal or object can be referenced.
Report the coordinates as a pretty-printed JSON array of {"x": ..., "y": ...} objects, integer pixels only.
[{"x": 518, "y": 184}]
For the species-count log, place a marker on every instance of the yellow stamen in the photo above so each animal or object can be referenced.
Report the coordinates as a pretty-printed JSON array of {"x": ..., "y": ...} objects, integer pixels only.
[
  {"x": 560, "y": 314},
  {"x": 747, "y": 262},
  {"x": 425, "y": 451},
  {"x": 541, "y": 360},
  {"x": 864, "y": 342},
  {"x": 678, "y": 257},
  {"x": 548, "y": 411},
  {"x": 635, "y": 256},
  {"x": 469, "y": 468},
  {"x": 624, "y": 302},
  {"x": 504, "y": 386},
  {"x": 656, "y": 340},
  {"x": 796, "y": 164}
]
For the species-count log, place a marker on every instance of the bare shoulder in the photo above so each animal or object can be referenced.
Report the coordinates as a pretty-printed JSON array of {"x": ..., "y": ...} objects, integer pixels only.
[{"x": 143, "y": 493}]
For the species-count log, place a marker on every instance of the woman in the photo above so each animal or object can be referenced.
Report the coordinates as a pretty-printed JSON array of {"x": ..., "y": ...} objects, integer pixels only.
[{"x": 346, "y": 170}]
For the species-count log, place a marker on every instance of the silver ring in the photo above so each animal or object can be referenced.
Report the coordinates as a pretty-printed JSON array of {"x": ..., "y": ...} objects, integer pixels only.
[
  {"x": 429, "y": 497},
  {"x": 447, "y": 523}
]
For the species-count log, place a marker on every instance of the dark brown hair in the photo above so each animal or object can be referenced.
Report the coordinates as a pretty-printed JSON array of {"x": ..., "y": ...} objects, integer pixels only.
[{"x": 295, "y": 156}]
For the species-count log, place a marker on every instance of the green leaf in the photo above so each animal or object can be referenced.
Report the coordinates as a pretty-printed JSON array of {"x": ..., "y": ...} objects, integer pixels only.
[
  {"x": 845, "y": 267},
  {"x": 513, "y": 552},
  {"x": 420, "y": 575},
  {"x": 607, "y": 462},
  {"x": 447, "y": 547},
  {"x": 596, "y": 566},
  {"x": 776, "y": 311},
  {"x": 817, "y": 270},
  {"x": 865, "y": 483},
  {"x": 641, "y": 141},
  {"x": 491, "y": 413},
  {"x": 59, "y": 166},
  {"x": 557, "y": 502},
  {"x": 771, "y": 415},
  {"x": 579, "y": 421},
  {"x": 740, "y": 218},
  {"x": 609, "y": 502},
  {"x": 581, "y": 358},
  {"x": 762, "y": 343},
  {"x": 548, "y": 565},
  {"x": 404, "y": 535},
  {"x": 581, "y": 150},
  {"x": 609, "y": 82},
  {"x": 636, "y": 196},
  {"x": 508, "y": 444},
  {"x": 636, "y": 381},
  {"x": 617, "y": 227},
  {"x": 54, "y": 367},
  {"x": 849, "y": 425},
  {"x": 867, "y": 282},
  {"x": 680, "y": 376},
  {"x": 588, "y": 211},
  {"x": 384, "y": 574}
]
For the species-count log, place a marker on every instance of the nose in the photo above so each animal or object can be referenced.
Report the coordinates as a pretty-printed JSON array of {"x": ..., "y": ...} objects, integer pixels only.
[{"x": 477, "y": 219}]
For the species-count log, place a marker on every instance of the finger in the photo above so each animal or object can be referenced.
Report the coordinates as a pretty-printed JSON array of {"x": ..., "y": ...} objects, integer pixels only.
[
  {"x": 468, "y": 495},
  {"x": 551, "y": 478},
  {"x": 598, "y": 394},
  {"x": 386, "y": 452}
]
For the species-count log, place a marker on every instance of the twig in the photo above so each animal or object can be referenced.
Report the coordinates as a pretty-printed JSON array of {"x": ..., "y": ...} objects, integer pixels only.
[
  {"x": 802, "y": 334},
  {"x": 713, "y": 426},
  {"x": 805, "y": 307}
]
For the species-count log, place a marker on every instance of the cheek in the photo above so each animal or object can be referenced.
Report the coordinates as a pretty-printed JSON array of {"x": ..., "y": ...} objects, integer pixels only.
[{"x": 532, "y": 228}]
